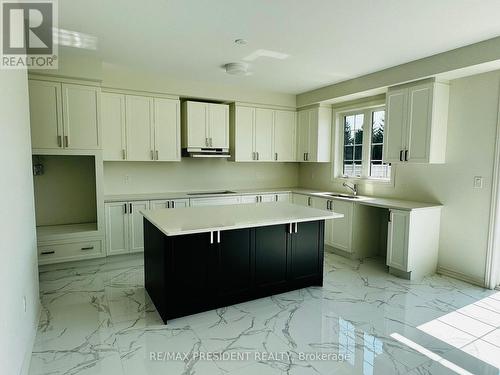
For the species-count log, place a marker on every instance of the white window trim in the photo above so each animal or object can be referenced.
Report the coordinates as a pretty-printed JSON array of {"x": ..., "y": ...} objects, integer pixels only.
[{"x": 338, "y": 145}]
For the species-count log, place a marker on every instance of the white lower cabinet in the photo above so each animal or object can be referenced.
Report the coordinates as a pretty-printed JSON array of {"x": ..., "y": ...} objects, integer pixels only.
[
  {"x": 124, "y": 227},
  {"x": 301, "y": 199},
  {"x": 342, "y": 229},
  {"x": 214, "y": 201},
  {"x": 260, "y": 198},
  {"x": 168, "y": 203},
  {"x": 413, "y": 242}
]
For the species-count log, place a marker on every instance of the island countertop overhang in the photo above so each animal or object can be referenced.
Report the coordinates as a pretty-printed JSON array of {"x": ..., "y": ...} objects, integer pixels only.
[{"x": 191, "y": 220}]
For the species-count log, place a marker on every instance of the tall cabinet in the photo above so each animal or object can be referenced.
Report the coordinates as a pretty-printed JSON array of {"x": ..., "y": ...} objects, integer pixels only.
[
  {"x": 314, "y": 131},
  {"x": 140, "y": 128},
  {"x": 416, "y": 123}
]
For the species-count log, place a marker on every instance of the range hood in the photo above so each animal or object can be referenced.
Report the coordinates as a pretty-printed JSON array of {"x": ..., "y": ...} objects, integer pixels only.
[{"x": 206, "y": 152}]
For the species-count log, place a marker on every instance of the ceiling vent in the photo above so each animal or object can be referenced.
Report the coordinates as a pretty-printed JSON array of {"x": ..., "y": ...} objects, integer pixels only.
[{"x": 237, "y": 68}]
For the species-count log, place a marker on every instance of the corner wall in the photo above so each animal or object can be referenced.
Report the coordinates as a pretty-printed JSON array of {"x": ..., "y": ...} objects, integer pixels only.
[
  {"x": 473, "y": 113},
  {"x": 19, "y": 266}
]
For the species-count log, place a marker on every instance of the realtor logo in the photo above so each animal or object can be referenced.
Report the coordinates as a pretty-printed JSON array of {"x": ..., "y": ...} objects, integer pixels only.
[{"x": 28, "y": 34}]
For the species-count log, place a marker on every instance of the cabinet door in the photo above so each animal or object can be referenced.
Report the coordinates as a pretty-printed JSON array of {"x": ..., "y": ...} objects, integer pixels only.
[
  {"x": 178, "y": 203},
  {"x": 117, "y": 227},
  {"x": 268, "y": 198},
  {"x": 167, "y": 130},
  {"x": 197, "y": 124},
  {"x": 219, "y": 125},
  {"x": 395, "y": 127},
  {"x": 397, "y": 240},
  {"x": 271, "y": 256},
  {"x": 234, "y": 264},
  {"x": 139, "y": 120},
  {"x": 322, "y": 204},
  {"x": 306, "y": 260},
  {"x": 301, "y": 199},
  {"x": 284, "y": 135},
  {"x": 248, "y": 199},
  {"x": 419, "y": 123},
  {"x": 341, "y": 235},
  {"x": 136, "y": 228},
  {"x": 113, "y": 126},
  {"x": 264, "y": 134},
  {"x": 244, "y": 133},
  {"x": 313, "y": 135},
  {"x": 80, "y": 113},
  {"x": 45, "y": 114},
  {"x": 303, "y": 135}
]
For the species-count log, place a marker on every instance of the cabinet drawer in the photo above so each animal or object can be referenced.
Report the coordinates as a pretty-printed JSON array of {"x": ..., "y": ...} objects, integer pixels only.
[{"x": 69, "y": 251}]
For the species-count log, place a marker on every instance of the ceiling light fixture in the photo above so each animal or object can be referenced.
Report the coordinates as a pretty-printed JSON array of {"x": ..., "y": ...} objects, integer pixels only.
[{"x": 237, "y": 68}]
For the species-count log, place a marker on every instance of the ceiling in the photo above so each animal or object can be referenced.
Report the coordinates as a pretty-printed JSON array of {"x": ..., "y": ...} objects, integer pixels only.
[{"x": 327, "y": 41}]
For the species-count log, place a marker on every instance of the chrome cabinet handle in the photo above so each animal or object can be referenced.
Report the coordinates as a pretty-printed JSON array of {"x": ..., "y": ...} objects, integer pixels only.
[
  {"x": 308, "y": 201},
  {"x": 124, "y": 154},
  {"x": 276, "y": 156},
  {"x": 59, "y": 141},
  {"x": 88, "y": 248},
  {"x": 276, "y": 197},
  {"x": 253, "y": 155},
  {"x": 125, "y": 208},
  {"x": 210, "y": 141},
  {"x": 304, "y": 156},
  {"x": 49, "y": 252},
  {"x": 327, "y": 205},
  {"x": 406, "y": 155},
  {"x": 401, "y": 155},
  {"x": 156, "y": 152},
  {"x": 218, "y": 236},
  {"x": 206, "y": 142},
  {"x": 66, "y": 140},
  {"x": 168, "y": 204},
  {"x": 257, "y": 155},
  {"x": 211, "y": 237},
  {"x": 131, "y": 208},
  {"x": 307, "y": 156},
  {"x": 173, "y": 204},
  {"x": 290, "y": 227}
]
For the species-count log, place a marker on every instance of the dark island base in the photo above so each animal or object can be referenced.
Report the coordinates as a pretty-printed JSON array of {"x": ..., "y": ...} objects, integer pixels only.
[{"x": 187, "y": 274}]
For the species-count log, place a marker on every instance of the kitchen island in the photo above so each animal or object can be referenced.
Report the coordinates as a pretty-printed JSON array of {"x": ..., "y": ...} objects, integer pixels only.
[{"x": 202, "y": 258}]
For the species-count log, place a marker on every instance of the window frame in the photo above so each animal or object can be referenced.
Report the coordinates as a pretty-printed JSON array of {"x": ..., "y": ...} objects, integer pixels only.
[{"x": 367, "y": 108}]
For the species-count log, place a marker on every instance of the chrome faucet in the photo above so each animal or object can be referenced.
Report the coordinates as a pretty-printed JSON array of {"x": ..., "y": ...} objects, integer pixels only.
[{"x": 353, "y": 188}]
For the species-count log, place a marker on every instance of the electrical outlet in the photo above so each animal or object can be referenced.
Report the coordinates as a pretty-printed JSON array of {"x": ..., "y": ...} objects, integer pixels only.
[
  {"x": 478, "y": 182},
  {"x": 24, "y": 304}
]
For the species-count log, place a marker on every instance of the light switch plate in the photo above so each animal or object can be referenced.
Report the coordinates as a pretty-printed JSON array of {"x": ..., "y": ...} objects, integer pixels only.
[{"x": 478, "y": 182}]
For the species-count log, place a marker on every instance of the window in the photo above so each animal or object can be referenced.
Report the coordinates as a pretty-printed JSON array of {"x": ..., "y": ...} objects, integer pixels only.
[{"x": 363, "y": 144}]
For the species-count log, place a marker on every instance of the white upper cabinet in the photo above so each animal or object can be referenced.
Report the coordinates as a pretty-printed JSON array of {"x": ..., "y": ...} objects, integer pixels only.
[
  {"x": 285, "y": 129},
  {"x": 81, "y": 120},
  {"x": 139, "y": 124},
  {"x": 262, "y": 134},
  {"x": 417, "y": 117},
  {"x": 167, "y": 130},
  {"x": 205, "y": 125},
  {"x": 45, "y": 114},
  {"x": 64, "y": 115},
  {"x": 314, "y": 134},
  {"x": 140, "y": 128},
  {"x": 114, "y": 142}
]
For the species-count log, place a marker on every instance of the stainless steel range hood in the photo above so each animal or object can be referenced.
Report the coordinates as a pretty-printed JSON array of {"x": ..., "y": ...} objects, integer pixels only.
[{"x": 206, "y": 152}]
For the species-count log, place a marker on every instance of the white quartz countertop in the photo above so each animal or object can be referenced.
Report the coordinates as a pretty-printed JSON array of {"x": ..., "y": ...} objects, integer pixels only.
[
  {"x": 388, "y": 203},
  {"x": 189, "y": 220}
]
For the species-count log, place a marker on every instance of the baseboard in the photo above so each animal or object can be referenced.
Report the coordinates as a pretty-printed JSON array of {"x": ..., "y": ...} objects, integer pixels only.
[
  {"x": 25, "y": 369},
  {"x": 460, "y": 276}
]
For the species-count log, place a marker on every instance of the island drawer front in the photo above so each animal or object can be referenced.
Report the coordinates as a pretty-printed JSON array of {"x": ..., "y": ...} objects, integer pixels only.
[{"x": 70, "y": 250}]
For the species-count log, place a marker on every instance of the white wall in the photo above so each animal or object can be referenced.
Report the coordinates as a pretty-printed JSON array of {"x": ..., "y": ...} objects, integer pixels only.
[
  {"x": 470, "y": 152},
  {"x": 18, "y": 269},
  {"x": 195, "y": 174}
]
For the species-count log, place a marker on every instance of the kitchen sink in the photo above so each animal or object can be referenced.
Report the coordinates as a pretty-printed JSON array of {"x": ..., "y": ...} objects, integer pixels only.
[
  {"x": 346, "y": 196},
  {"x": 213, "y": 192}
]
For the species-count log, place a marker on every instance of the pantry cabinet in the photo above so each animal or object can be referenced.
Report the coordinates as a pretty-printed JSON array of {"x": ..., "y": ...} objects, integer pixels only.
[
  {"x": 314, "y": 129},
  {"x": 124, "y": 227},
  {"x": 262, "y": 134},
  {"x": 140, "y": 128},
  {"x": 205, "y": 125},
  {"x": 416, "y": 123},
  {"x": 64, "y": 116}
]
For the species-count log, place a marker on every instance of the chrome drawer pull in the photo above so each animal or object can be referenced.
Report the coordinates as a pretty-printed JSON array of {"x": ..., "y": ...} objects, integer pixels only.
[{"x": 88, "y": 248}]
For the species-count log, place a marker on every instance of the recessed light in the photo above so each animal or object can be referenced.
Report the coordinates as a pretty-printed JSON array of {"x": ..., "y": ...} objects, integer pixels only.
[{"x": 241, "y": 42}]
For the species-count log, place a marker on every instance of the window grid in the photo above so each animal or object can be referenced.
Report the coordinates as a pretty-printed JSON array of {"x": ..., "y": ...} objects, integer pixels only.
[
  {"x": 353, "y": 144},
  {"x": 378, "y": 169}
]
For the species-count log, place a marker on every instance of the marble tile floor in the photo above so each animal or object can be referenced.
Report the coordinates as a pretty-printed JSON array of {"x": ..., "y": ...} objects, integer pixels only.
[{"x": 97, "y": 319}]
